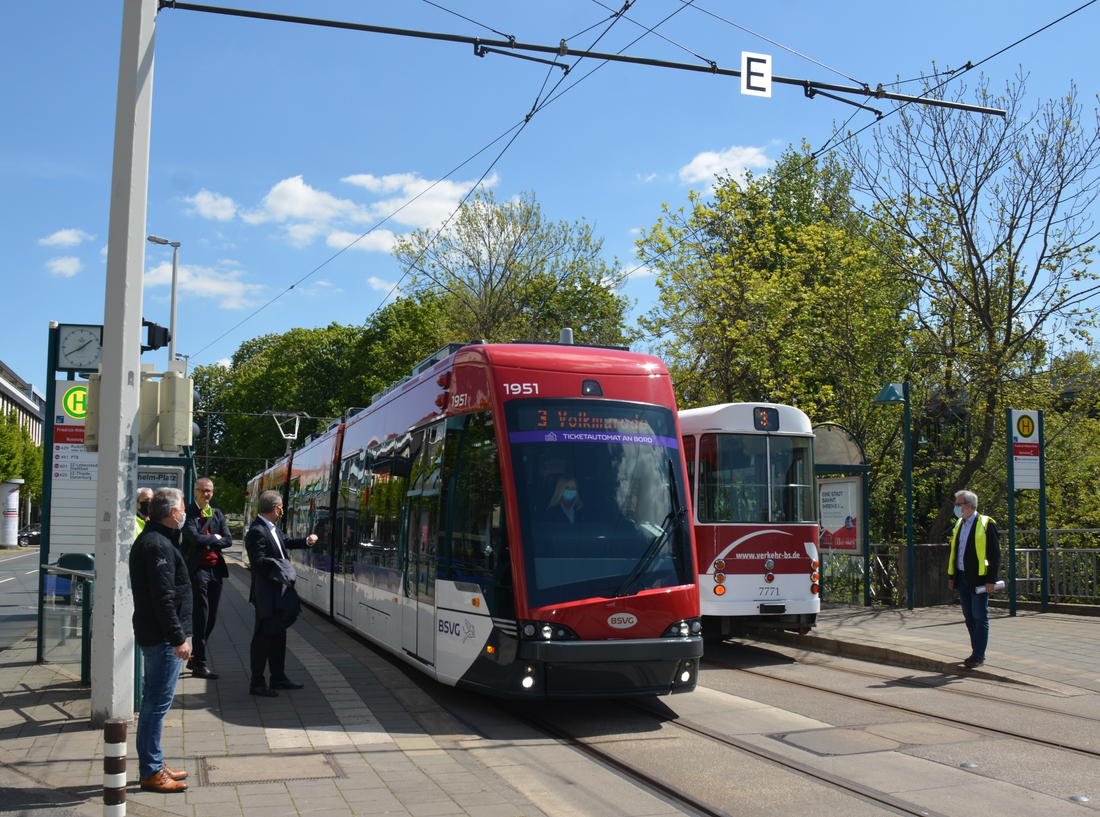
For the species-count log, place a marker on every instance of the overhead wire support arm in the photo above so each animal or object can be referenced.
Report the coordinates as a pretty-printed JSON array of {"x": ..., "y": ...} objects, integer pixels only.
[{"x": 561, "y": 50}]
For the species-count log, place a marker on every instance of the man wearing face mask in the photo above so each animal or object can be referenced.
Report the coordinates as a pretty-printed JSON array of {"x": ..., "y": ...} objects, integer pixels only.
[
  {"x": 972, "y": 570},
  {"x": 144, "y": 496},
  {"x": 162, "y": 629}
]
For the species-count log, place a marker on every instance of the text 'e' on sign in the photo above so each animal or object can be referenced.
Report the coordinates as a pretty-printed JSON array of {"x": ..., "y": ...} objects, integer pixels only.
[{"x": 756, "y": 74}]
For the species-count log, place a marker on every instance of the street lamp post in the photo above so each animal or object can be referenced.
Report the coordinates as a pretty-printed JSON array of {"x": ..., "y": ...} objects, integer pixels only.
[
  {"x": 175, "y": 245},
  {"x": 899, "y": 393}
]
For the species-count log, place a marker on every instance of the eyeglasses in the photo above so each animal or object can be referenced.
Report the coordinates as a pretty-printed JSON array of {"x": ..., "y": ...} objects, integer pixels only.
[
  {"x": 961, "y": 504},
  {"x": 204, "y": 490}
]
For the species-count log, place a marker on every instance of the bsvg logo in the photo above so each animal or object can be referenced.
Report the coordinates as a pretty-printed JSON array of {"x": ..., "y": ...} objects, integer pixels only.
[{"x": 622, "y": 621}]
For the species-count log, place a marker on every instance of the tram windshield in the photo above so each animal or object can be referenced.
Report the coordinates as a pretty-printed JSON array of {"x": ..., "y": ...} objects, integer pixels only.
[
  {"x": 600, "y": 504},
  {"x": 755, "y": 478}
]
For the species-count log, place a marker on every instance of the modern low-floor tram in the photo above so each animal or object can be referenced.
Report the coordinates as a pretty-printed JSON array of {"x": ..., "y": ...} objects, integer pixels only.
[{"x": 511, "y": 519}]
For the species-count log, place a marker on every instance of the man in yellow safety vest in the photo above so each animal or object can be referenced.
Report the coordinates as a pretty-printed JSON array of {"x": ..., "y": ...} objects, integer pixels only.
[{"x": 972, "y": 570}]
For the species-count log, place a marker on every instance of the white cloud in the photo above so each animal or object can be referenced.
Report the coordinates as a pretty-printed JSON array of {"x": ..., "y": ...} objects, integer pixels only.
[
  {"x": 65, "y": 266},
  {"x": 377, "y": 283},
  {"x": 732, "y": 161},
  {"x": 103, "y": 252},
  {"x": 294, "y": 200},
  {"x": 65, "y": 238},
  {"x": 380, "y": 240},
  {"x": 212, "y": 205},
  {"x": 224, "y": 286},
  {"x": 639, "y": 271},
  {"x": 225, "y": 363},
  {"x": 647, "y": 178},
  {"x": 425, "y": 203}
]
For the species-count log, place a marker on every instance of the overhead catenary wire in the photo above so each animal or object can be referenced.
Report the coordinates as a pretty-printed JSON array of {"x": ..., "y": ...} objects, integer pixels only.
[{"x": 551, "y": 98}]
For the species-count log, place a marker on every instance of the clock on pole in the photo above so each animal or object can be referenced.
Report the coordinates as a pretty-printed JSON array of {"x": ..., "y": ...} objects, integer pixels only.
[{"x": 79, "y": 347}]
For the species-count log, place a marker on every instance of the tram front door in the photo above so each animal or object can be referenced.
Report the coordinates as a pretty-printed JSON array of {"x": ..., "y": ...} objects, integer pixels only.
[{"x": 418, "y": 603}]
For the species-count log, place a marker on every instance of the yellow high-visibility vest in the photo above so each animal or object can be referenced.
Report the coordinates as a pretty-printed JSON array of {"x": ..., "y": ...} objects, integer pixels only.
[{"x": 979, "y": 544}]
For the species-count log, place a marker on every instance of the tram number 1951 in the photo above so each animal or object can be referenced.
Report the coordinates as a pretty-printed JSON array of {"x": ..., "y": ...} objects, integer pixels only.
[{"x": 521, "y": 388}]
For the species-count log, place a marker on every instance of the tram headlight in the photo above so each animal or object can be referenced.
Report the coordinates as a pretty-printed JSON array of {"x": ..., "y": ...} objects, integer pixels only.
[
  {"x": 528, "y": 682},
  {"x": 685, "y": 628},
  {"x": 544, "y": 631}
]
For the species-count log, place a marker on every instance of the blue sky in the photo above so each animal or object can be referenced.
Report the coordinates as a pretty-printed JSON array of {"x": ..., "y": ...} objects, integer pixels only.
[{"x": 275, "y": 146}]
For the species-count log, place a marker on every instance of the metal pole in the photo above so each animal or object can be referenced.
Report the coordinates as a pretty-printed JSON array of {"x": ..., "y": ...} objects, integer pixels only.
[
  {"x": 1010, "y": 465},
  {"x": 112, "y": 637},
  {"x": 172, "y": 321},
  {"x": 908, "y": 498},
  {"x": 47, "y": 480},
  {"x": 206, "y": 473},
  {"x": 866, "y": 540},
  {"x": 1044, "y": 555}
]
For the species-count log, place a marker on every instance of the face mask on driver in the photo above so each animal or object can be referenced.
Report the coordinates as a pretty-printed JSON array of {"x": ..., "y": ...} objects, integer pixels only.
[{"x": 568, "y": 496}]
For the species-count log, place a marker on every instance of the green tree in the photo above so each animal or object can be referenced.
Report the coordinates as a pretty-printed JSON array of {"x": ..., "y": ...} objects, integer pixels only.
[
  {"x": 771, "y": 291},
  {"x": 995, "y": 215},
  {"x": 502, "y": 271}
]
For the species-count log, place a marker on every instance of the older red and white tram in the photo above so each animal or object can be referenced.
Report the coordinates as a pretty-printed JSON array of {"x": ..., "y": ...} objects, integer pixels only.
[
  {"x": 751, "y": 471},
  {"x": 510, "y": 519}
]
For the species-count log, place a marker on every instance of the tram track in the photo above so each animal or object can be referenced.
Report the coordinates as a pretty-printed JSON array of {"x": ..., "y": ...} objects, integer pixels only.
[
  {"x": 930, "y": 716},
  {"x": 915, "y": 683},
  {"x": 689, "y": 802}
]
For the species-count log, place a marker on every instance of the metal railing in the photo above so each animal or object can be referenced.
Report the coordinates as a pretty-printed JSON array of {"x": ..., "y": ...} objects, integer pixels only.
[{"x": 1073, "y": 556}]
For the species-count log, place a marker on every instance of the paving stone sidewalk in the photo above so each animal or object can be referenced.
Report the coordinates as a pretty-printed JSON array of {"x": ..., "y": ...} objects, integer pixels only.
[
  {"x": 1051, "y": 649},
  {"x": 351, "y": 743}
]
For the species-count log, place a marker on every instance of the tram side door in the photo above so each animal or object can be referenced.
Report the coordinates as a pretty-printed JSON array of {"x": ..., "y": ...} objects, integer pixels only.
[
  {"x": 346, "y": 536},
  {"x": 418, "y": 603}
]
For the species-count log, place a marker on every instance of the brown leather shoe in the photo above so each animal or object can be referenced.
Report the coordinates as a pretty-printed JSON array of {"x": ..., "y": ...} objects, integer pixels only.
[
  {"x": 162, "y": 782},
  {"x": 180, "y": 775}
]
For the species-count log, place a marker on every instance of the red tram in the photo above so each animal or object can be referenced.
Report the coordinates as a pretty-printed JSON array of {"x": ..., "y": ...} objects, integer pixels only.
[
  {"x": 756, "y": 536},
  {"x": 510, "y": 519}
]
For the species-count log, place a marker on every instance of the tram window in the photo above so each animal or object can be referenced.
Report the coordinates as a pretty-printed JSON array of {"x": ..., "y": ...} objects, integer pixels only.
[
  {"x": 792, "y": 475},
  {"x": 478, "y": 540},
  {"x": 733, "y": 478},
  {"x": 617, "y": 459},
  {"x": 381, "y": 502}
]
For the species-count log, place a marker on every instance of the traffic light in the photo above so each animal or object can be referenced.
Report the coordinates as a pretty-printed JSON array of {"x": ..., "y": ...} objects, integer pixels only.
[
  {"x": 91, "y": 416},
  {"x": 157, "y": 337}
]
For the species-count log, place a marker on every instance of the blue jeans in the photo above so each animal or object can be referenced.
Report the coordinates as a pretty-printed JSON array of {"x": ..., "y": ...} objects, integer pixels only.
[
  {"x": 162, "y": 670},
  {"x": 975, "y": 613}
]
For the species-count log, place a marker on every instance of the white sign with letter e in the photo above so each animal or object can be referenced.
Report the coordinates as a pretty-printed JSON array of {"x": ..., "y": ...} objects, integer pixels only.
[
  {"x": 756, "y": 74},
  {"x": 1024, "y": 436}
]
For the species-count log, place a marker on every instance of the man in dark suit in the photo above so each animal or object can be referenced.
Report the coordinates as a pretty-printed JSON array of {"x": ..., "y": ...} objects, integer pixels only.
[
  {"x": 272, "y": 594},
  {"x": 972, "y": 570},
  {"x": 205, "y": 535}
]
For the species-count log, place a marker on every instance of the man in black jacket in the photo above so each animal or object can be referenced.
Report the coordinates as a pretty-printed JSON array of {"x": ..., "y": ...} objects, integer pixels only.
[
  {"x": 162, "y": 628},
  {"x": 272, "y": 594},
  {"x": 204, "y": 537}
]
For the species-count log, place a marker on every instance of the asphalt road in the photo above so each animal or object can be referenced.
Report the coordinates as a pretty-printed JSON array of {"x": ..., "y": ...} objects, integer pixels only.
[{"x": 18, "y": 595}]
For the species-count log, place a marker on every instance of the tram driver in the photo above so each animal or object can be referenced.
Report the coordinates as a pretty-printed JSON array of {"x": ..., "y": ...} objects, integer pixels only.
[{"x": 565, "y": 505}]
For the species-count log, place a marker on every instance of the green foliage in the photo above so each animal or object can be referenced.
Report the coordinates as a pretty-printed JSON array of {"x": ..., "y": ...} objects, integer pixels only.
[
  {"x": 20, "y": 458},
  {"x": 773, "y": 292},
  {"x": 994, "y": 216},
  {"x": 501, "y": 271}
]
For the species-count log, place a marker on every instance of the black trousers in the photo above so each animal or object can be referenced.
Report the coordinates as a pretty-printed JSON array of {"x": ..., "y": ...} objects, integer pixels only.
[
  {"x": 267, "y": 649},
  {"x": 206, "y": 594}
]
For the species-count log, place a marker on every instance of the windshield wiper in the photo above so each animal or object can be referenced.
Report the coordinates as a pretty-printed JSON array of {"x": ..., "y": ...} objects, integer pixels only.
[{"x": 672, "y": 521}]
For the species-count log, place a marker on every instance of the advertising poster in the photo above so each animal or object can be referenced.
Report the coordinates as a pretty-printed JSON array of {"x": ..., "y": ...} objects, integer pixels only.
[{"x": 838, "y": 501}]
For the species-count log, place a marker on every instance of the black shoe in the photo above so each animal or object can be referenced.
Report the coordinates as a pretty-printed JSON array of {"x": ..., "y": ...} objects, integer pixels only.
[
  {"x": 263, "y": 692},
  {"x": 286, "y": 683},
  {"x": 202, "y": 672},
  {"x": 190, "y": 664},
  {"x": 973, "y": 663}
]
